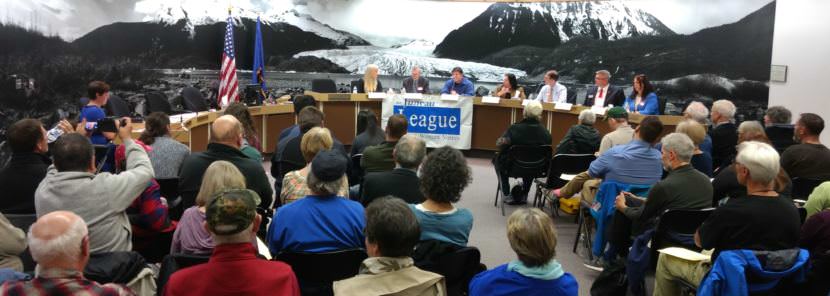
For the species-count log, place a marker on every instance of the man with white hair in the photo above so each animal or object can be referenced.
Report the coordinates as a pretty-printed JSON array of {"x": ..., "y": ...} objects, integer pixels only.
[
  {"x": 527, "y": 132},
  {"x": 697, "y": 111},
  {"x": 582, "y": 138},
  {"x": 416, "y": 83},
  {"x": 59, "y": 243},
  {"x": 724, "y": 134},
  {"x": 762, "y": 221}
]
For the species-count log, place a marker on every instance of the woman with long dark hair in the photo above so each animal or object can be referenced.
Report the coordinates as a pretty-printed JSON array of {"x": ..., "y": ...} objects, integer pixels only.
[
  {"x": 251, "y": 146},
  {"x": 509, "y": 88},
  {"x": 167, "y": 154},
  {"x": 643, "y": 100},
  {"x": 368, "y": 133}
]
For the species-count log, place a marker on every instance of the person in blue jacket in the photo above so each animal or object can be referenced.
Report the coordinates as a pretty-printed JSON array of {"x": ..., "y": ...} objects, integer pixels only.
[
  {"x": 92, "y": 112},
  {"x": 532, "y": 236},
  {"x": 458, "y": 85},
  {"x": 643, "y": 100}
]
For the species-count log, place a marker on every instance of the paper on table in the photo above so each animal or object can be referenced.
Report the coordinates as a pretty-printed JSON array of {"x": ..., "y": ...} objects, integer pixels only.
[
  {"x": 563, "y": 106},
  {"x": 449, "y": 97},
  {"x": 525, "y": 102},
  {"x": 377, "y": 95},
  {"x": 490, "y": 99},
  {"x": 685, "y": 254}
]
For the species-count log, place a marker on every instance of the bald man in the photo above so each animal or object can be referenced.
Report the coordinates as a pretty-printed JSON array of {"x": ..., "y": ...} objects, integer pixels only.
[
  {"x": 59, "y": 243},
  {"x": 225, "y": 142}
]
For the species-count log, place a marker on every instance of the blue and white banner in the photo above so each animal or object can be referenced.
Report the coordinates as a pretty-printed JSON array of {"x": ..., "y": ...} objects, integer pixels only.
[{"x": 438, "y": 122}]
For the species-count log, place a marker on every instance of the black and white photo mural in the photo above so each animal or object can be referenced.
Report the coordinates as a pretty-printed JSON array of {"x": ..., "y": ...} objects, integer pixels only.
[{"x": 690, "y": 49}]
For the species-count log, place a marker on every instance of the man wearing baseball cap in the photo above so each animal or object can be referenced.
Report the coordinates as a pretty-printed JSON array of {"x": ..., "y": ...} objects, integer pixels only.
[
  {"x": 622, "y": 133},
  {"x": 233, "y": 268}
]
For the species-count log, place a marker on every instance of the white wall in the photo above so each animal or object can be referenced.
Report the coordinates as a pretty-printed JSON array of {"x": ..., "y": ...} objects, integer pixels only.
[{"x": 801, "y": 42}]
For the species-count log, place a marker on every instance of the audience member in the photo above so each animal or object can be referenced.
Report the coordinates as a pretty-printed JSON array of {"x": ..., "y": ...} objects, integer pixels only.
[
  {"x": 643, "y": 100},
  {"x": 168, "y": 154},
  {"x": 12, "y": 244},
  {"x": 368, "y": 132},
  {"x": 92, "y": 112},
  {"x": 553, "y": 91},
  {"x": 683, "y": 188},
  {"x": 416, "y": 83},
  {"x": 763, "y": 221},
  {"x": 750, "y": 127},
  {"x": 234, "y": 268},
  {"x": 251, "y": 146},
  {"x": 724, "y": 134},
  {"x": 458, "y": 84},
  {"x": 72, "y": 185},
  {"x": 60, "y": 244},
  {"x": 402, "y": 182},
  {"x": 809, "y": 158},
  {"x": 191, "y": 237},
  {"x": 622, "y": 133},
  {"x": 725, "y": 184},
  {"x": 294, "y": 183},
  {"x": 528, "y": 132},
  {"x": 225, "y": 142},
  {"x": 582, "y": 138},
  {"x": 27, "y": 166},
  {"x": 300, "y": 102},
  {"x": 378, "y": 158},
  {"x": 815, "y": 238},
  {"x": 391, "y": 233},
  {"x": 444, "y": 175},
  {"x": 369, "y": 82},
  {"x": 779, "y": 128},
  {"x": 701, "y": 160},
  {"x": 819, "y": 200},
  {"x": 697, "y": 111},
  {"x": 321, "y": 221},
  {"x": 532, "y": 237},
  {"x": 509, "y": 88},
  {"x": 602, "y": 93}
]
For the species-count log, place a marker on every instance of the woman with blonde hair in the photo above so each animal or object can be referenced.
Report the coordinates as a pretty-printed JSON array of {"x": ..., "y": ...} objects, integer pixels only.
[
  {"x": 294, "y": 184},
  {"x": 190, "y": 236},
  {"x": 536, "y": 272},
  {"x": 701, "y": 161},
  {"x": 369, "y": 82}
]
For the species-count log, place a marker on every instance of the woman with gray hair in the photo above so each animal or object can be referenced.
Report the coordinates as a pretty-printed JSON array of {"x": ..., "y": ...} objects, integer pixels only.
[
  {"x": 779, "y": 129},
  {"x": 582, "y": 138},
  {"x": 528, "y": 132}
]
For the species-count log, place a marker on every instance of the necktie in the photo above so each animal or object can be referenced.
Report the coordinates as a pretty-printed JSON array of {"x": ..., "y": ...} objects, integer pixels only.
[
  {"x": 600, "y": 93},
  {"x": 550, "y": 94}
]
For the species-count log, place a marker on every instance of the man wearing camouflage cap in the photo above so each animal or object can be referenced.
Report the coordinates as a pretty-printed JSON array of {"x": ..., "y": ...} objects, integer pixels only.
[{"x": 233, "y": 268}]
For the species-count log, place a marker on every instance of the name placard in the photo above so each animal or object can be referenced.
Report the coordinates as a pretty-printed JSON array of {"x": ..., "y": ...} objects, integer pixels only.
[
  {"x": 415, "y": 96},
  {"x": 377, "y": 95},
  {"x": 449, "y": 97},
  {"x": 563, "y": 106},
  {"x": 490, "y": 100}
]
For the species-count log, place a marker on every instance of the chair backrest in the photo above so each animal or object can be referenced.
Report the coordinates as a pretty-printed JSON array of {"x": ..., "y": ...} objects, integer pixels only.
[
  {"x": 803, "y": 187},
  {"x": 193, "y": 100},
  {"x": 458, "y": 268},
  {"x": 169, "y": 189},
  {"x": 316, "y": 271},
  {"x": 172, "y": 263},
  {"x": 157, "y": 102},
  {"x": 677, "y": 226},
  {"x": 356, "y": 171},
  {"x": 353, "y": 84},
  {"x": 116, "y": 106},
  {"x": 24, "y": 221},
  {"x": 529, "y": 161},
  {"x": 567, "y": 164},
  {"x": 323, "y": 86}
]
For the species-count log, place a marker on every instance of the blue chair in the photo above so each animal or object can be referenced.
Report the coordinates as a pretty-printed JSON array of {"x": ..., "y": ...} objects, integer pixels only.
[
  {"x": 602, "y": 209},
  {"x": 748, "y": 272}
]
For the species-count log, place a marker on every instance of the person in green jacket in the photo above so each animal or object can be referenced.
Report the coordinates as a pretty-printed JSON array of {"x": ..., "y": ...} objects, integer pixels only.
[{"x": 818, "y": 200}]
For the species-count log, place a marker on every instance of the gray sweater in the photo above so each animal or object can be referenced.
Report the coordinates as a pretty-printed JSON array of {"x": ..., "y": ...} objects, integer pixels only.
[{"x": 101, "y": 200}]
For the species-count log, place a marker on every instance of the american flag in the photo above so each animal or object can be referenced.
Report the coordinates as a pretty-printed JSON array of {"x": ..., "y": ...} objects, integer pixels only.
[{"x": 228, "y": 85}]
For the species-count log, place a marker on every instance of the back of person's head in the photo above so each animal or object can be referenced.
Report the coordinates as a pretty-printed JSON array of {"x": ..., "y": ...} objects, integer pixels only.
[
  {"x": 725, "y": 108},
  {"x": 367, "y": 121},
  {"x": 96, "y": 88},
  {"x": 750, "y": 126},
  {"x": 533, "y": 110},
  {"x": 650, "y": 129},
  {"x": 693, "y": 129},
  {"x": 59, "y": 240},
  {"x": 586, "y": 117},
  {"x": 231, "y": 216},
  {"x": 310, "y": 117},
  {"x": 328, "y": 168},
  {"x": 410, "y": 151},
  {"x": 532, "y": 236},
  {"x": 226, "y": 129},
  {"x": 697, "y": 111},
  {"x": 241, "y": 113},
  {"x": 752, "y": 131},
  {"x": 220, "y": 175},
  {"x": 396, "y": 126},
  {"x": 25, "y": 135},
  {"x": 760, "y": 159},
  {"x": 778, "y": 115},
  {"x": 156, "y": 124},
  {"x": 72, "y": 153},
  {"x": 812, "y": 123},
  {"x": 315, "y": 140},
  {"x": 302, "y": 101},
  {"x": 680, "y": 144},
  {"x": 391, "y": 225},
  {"x": 444, "y": 175}
]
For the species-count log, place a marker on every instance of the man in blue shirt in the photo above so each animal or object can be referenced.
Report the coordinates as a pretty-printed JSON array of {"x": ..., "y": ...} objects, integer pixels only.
[
  {"x": 99, "y": 93},
  {"x": 458, "y": 85},
  {"x": 322, "y": 221},
  {"x": 637, "y": 162}
]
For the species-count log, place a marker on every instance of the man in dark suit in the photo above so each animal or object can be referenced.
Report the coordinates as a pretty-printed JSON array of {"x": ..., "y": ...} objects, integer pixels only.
[
  {"x": 724, "y": 134},
  {"x": 416, "y": 83},
  {"x": 603, "y": 93},
  {"x": 402, "y": 182}
]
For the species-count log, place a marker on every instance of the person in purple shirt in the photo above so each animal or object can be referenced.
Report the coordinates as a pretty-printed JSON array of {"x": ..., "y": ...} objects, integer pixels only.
[
  {"x": 458, "y": 85},
  {"x": 99, "y": 93},
  {"x": 637, "y": 162}
]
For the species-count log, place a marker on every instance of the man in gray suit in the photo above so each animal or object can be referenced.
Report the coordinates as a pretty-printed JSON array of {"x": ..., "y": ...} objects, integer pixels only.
[{"x": 416, "y": 83}]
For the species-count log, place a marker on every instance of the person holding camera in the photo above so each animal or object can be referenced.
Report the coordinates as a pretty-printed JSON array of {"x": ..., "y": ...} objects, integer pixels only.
[{"x": 98, "y": 93}]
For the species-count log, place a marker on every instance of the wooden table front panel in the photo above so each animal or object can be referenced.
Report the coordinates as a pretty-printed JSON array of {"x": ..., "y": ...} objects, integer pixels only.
[
  {"x": 199, "y": 138},
  {"x": 489, "y": 123},
  {"x": 274, "y": 124},
  {"x": 340, "y": 119}
]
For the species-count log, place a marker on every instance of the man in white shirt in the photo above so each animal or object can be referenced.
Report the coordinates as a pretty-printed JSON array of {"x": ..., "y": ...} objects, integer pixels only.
[
  {"x": 553, "y": 92},
  {"x": 603, "y": 93}
]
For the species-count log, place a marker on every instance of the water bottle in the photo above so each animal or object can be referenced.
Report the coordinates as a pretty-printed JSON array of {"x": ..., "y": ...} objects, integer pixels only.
[
  {"x": 53, "y": 134},
  {"x": 403, "y": 90},
  {"x": 354, "y": 89}
]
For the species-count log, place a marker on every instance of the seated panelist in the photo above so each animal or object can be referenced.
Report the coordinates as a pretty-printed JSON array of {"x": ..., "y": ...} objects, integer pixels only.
[
  {"x": 509, "y": 89},
  {"x": 369, "y": 82},
  {"x": 603, "y": 93},
  {"x": 416, "y": 83},
  {"x": 458, "y": 85},
  {"x": 643, "y": 100}
]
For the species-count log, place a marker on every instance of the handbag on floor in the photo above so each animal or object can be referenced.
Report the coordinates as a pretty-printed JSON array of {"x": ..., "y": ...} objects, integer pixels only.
[{"x": 613, "y": 280}]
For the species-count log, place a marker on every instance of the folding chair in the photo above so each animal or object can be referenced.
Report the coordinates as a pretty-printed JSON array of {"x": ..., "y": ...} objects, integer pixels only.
[
  {"x": 560, "y": 166},
  {"x": 521, "y": 161},
  {"x": 317, "y": 271}
]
